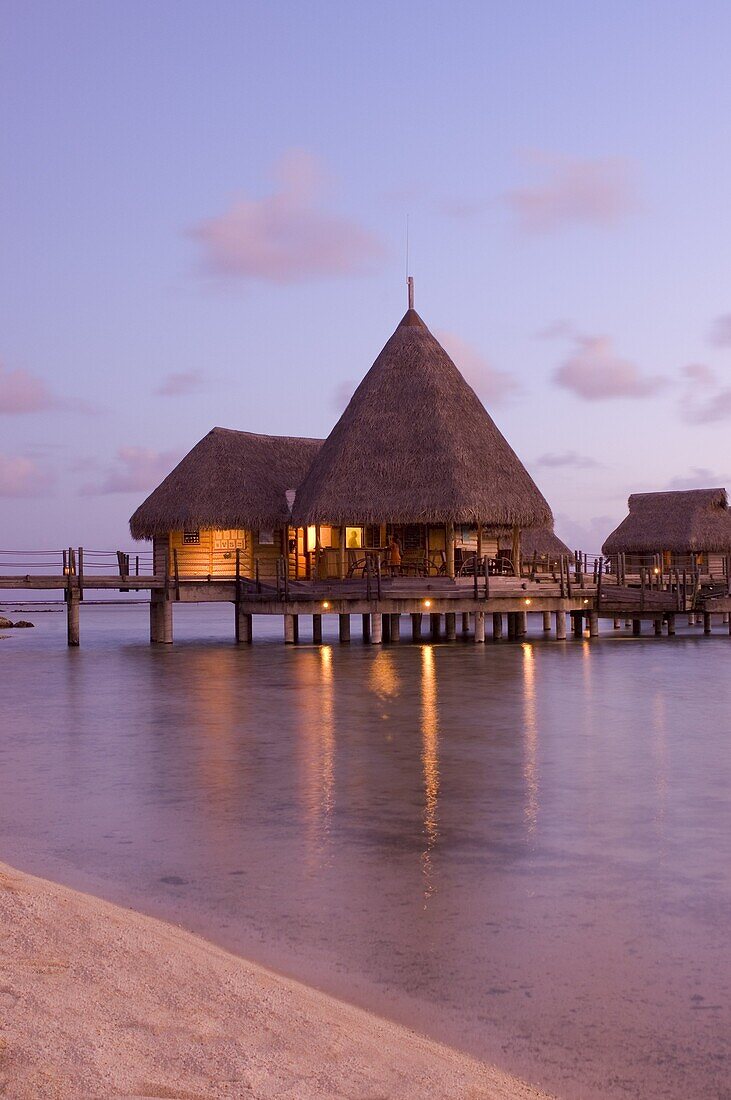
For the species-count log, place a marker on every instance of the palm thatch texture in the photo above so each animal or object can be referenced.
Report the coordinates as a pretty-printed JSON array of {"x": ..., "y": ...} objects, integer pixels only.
[
  {"x": 685, "y": 522},
  {"x": 229, "y": 480},
  {"x": 542, "y": 542},
  {"x": 415, "y": 445}
]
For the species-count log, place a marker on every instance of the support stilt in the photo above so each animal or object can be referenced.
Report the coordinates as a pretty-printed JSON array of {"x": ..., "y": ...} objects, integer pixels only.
[
  {"x": 671, "y": 625},
  {"x": 593, "y": 624},
  {"x": 288, "y": 629},
  {"x": 435, "y": 623},
  {"x": 317, "y": 629},
  {"x": 479, "y": 626},
  {"x": 450, "y": 624},
  {"x": 244, "y": 626},
  {"x": 497, "y": 626},
  {"x": 617, "y": 624},
  {"x": 366, "y": 627},
  {"x": 707, "y": 625},
  {"x": 658, "y": 626},
  {"x": 161, "y": 619},
  {"x": 376, "y": 628},
  {"x": 416, "y": 626},
  {"x": 546, "y": 620},
  {"x": 395, "y": 627},
  {"x": 637, "y": 627},
  {"x": 344, "y": 628},
  {"x": 72, "y": 618},
  {"x": 560, "y": 626},
  {"x": 465, "y": 622},
  {"x": 386, "y": 627}
]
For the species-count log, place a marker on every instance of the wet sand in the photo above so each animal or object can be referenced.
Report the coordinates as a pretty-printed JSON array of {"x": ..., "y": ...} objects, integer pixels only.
[{"x": 100, "y": 1001}]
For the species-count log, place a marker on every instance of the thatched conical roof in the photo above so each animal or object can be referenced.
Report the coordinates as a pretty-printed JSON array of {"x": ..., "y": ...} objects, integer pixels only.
[
  {"x": 685, "y": 522},
  {"x": 542, "y": 541},
  {"x": 415, "y": 445},
  {"x": 229, "y": 480}
]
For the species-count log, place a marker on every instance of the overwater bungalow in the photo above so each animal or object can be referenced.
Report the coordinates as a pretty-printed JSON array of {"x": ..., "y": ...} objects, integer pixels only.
[
  {"x": 688, "y": 529},
  {"x": 414, "y": 478}
]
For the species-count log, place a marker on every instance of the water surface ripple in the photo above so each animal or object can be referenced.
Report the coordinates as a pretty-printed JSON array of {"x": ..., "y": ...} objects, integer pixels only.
[{"x": 522, "y": 849}]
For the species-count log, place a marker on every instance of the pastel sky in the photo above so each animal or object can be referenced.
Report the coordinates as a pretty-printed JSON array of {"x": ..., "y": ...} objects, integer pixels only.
[{"x": 203, "y": 223}]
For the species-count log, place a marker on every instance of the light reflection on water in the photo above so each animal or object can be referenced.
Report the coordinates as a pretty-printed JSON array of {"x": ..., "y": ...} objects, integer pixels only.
[{"x": 522, "y": 849}]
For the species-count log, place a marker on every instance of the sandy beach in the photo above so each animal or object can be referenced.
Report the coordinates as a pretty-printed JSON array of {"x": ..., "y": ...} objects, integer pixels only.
[{"x": 100, "y": 1001}]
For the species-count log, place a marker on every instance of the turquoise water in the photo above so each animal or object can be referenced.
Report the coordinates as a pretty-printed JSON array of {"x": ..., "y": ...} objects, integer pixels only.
[{"x": 522, "y": 849}]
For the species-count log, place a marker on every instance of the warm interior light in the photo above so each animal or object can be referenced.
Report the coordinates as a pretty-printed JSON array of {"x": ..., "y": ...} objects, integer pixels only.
[
  {"x": 427, "y": 603},
  {"x": 325, "y": 604},
  {"x": 586, "y": 601},
  {"x": 527, "y": 601},
  {"x": 656, "y": 571}
]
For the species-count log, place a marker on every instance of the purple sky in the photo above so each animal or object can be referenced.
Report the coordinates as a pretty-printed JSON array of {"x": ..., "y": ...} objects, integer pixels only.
[{"x": 202, "y": 222}]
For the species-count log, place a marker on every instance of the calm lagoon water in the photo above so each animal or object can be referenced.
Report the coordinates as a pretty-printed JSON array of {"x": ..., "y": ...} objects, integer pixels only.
[{"x": 521, "y": 849}]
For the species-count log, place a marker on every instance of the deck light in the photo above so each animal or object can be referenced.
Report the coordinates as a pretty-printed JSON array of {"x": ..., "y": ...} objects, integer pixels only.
[
  {"x": 427, "y": 603},
  {"x": 586, "y": 601},
  {"x": 325, "y": 604},
  {"x": 527, "y": 601},
  {"x": 656, "y": 571}
]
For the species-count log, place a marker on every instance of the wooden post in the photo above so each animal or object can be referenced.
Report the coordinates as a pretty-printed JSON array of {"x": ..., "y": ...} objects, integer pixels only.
[
  {"x": 593, "y": 624},
  {"x": 511, "y": 626},
  {"x": 450, "y": 549},
  {"x": 450, "y": 623},
  {"x": 560, "y": 625},
  {"x": 671, "y": 625},
  {"x": 344, "y": 628},
  {"x": 341, "y": 553},
  {"x": 636, "y": 627},
  {"x": 161, "y": 619},
  {"x": 376, "y": 629},
  {"x": 465, "y": 622},
  {"x": 707, "y": 626},
  {"x": 515, "y": 551},
  {"x": 81, "y": 573},
  {"x": 497, "y": 625},
  {"x": 288, "y": 629},
  {"x": 578, "y": 620},
  {"x": 478, "y": 563},
  {"x": 546, "y": 620},
  {"x": 416, "y": 620},
  {"x": 386, "y": 627},
  {"x": 395, "y": 627},
  {"x": 617, "y": 624},
  {"x": 317, "y": 629},
  {"x": 435, "y": 623},
  {"x": 244, "y": 625},
  {"x": 521, "y": 624},
  {"x": 318, "y": 553},
  {"x": 366, "y": 627},
  {"x": 479, "y": 626},
  {"x": 72, "y": 617},
  {"x": 657, "y": 625}
]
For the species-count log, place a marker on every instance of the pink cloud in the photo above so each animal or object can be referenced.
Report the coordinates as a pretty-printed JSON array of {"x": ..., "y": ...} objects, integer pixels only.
[
  {"x": 22, "y": 477},
  {"x": 286, "y": 237},
  {"x": 721, "y": 331},
  {"x": 595, "y": 373},
  {"x": 492, "y": 385},
  {"x": 180, "y": 383},
  {"x": 574, "y": 192},
  {"x": 700, "y": 477},
  {"x": 587, "y": 536},
  {"x": 23, "y": 392},
  {"x": 705, "y": 400},
  {"x": 135, "y": 470},
  {"x": 568, "y": 458}
]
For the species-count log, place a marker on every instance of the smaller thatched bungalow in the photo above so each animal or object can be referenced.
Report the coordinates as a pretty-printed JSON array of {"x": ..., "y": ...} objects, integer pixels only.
[
  {"x": 541, "y": 548},
  {"x": 232, "y": 492},
  {"x": 686, "y": 529}
]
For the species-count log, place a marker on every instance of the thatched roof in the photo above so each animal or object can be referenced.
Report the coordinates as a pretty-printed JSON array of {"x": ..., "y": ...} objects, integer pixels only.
[
  {"x": 693, "y": 520},
  {"x": 416, "y": 445},
  {"x": 229, "y": 479},
  {"x": 542, "y": 541}
]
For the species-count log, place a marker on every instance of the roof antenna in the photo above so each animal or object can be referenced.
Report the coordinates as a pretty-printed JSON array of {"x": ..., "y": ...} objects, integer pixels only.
[{"x": 409, "y": 279}]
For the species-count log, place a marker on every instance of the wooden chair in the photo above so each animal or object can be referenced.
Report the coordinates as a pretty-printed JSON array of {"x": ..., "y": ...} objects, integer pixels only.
[{"x": 413, "y": 562}]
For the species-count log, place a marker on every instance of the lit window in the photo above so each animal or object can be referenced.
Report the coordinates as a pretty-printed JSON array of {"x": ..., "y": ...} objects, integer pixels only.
[
  {"x": 191, "y": 538},
  {"x": 354, "y": 538}
]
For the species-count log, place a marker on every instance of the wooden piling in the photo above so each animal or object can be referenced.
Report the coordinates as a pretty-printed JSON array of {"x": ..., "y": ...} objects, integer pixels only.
[
  {"x": 395, "y": 627},
  {"x": 288, "y": 629},
  {"x": 593, "y": 624},
  {"x": 560, "y": 626},
  {"x": 479, "y": 626},
  {"x": 707, "y": 624},
  {"x": 450, "y": 624},
  {"x": 636, "y": 627},
  {"x": 244, "y": 626},
  {"x": 617, "y": 624},
  {"x": 546, "y": 620},
  {"x": 376, "y": 628},
  {"x": 670, "y": 619},
  {"x": 657, "y": 627},
  {"x": 435, "y": 626},
  {"x": 161, "y": 619},
  {"x": 72, "y": 618},
  {"x": 344, "y": 628},
  {"x": 386, "y": 627},
  {"x": 466, "y": 620},
  {"x": 521, "y": 624},
  {"x": 366, "y": 620},
  {"x": 497, "y": 625},
  {"x": 416, "y": 626},
  {"x": 317, "y": 629},
  {"x": 578, "y": 621}
]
